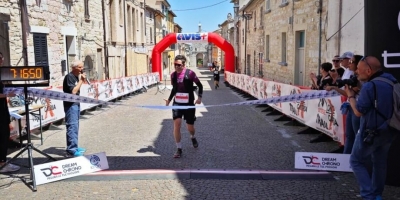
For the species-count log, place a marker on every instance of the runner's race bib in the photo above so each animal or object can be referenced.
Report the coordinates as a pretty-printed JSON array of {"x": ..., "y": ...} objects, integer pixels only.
[
  {"x": 215, "y": 72},
  {"x": 182, "y": 97}
]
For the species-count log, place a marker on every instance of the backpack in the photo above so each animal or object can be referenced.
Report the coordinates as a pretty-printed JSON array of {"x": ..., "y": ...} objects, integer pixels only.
[{"x": 394, "y": 121}]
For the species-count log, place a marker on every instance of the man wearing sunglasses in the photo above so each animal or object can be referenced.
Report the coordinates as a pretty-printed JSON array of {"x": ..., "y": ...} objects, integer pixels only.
[
  {"x": 374, "y": 137},
  {"x": 345, "y": 62},
  {"x": 183, "y": 94},
  {"x": 336, "y": 65}
]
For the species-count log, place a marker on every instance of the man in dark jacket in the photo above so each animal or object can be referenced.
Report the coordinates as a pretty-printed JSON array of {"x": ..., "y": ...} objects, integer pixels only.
[
  {"x": 72, "y": 85},
  {"x": 374, "y": 137}
]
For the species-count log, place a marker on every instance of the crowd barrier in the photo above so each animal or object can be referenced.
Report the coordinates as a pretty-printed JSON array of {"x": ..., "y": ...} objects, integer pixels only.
[
  {"x": 105, "y": 90},
  {"x": 321, "y": 114}
]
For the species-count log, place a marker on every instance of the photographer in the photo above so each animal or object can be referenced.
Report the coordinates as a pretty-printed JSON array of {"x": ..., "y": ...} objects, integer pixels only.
[
  {"x": 352, "y": 121},
  {"x": 374, "y": 137}
]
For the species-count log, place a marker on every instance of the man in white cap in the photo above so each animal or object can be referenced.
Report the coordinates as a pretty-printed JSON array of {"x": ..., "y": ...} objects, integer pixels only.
[{"x": 345, "y": 62}]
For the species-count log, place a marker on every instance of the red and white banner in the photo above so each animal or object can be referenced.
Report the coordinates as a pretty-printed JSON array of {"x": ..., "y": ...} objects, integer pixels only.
[
  {"x": 106, "y": 90},
  {"x": 321, "y": 114}
]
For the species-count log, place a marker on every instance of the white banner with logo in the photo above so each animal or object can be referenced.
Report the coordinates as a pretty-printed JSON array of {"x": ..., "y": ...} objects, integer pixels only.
[
  {"x": 323, "y": 161},
  {"x": 191, "y": 37},
  {"x": 322, "y": 114},
  {"x": 63, "y": 169}
]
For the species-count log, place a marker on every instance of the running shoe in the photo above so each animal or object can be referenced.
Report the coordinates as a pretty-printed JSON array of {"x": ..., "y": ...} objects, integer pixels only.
[
  {"x": 195, "y": 143},
  {"x": 178, "y": 153}
]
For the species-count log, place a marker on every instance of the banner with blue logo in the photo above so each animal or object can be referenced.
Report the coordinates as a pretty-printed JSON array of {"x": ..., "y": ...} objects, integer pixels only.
[{"x": 191, "y": 37}]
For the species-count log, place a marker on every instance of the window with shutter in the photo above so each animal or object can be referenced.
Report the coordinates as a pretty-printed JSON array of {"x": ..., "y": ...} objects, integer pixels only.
[{"x": 40, "y": 49}]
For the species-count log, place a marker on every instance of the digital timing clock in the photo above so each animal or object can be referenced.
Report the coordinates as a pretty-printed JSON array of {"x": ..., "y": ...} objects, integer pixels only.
[{"x": 25, "y": 73}]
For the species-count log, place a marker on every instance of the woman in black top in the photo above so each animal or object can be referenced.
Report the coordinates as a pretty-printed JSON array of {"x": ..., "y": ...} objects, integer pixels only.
[
  {"x": 334, "y": 74},
  {"x": 319, "y": 82}
]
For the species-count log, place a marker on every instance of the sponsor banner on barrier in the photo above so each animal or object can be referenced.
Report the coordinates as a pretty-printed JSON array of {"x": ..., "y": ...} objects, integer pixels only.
[
  {"x": 275, "y": 89},
  {"x": 323, "y": 161},
  {"x": 106, "y": 90},
  {"x": 297, "y": 109},
  {"x": 322, "y": 114},
  {"x": 317, "y": 109},
  {"x": 68, "y": 168},
  {"x": 326, "y": 117},
  {"x": 52, "y": 110}
]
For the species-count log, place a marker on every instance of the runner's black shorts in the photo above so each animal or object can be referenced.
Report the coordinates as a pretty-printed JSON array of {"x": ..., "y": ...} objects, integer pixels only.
[
  {"x": 216, "y": 77},
  {"x": 189, "y": 115}
]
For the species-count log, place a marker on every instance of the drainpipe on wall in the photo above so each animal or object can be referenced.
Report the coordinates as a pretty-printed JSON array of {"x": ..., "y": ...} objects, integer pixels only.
[
  {"x": 155, "y": 29},
  {"x": 340, "y": 25},
  {"x": 145, "y": 22},
  {"x": 292, "y": 20},
  {"x": 107, "y": 75},
  {"x": 126, "y": 50},
  {"x": 320, "y": 35},
  {"x": 245, "y": 45},
  {"x": 23, "y": 29}
]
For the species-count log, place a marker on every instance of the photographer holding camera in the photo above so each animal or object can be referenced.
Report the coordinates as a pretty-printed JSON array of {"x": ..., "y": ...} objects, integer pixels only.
[
  {"x": 352, "y": 121},
  {"x": 374, "y": 137}
]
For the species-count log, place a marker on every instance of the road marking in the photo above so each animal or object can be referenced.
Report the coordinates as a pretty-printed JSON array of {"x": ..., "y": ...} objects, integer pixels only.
[{"x": 223, "y": 174}]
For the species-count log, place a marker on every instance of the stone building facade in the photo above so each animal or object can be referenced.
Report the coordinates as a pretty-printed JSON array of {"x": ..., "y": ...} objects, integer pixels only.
[
  {"x": 125, "y": 33},
  {"x": 251, "y": 37},
  {"x": 114, "y": 38},
  {"x": 57, "y": 33},
  {"x": 281, "y": 39},
  {"x": 200, "y": 53},
  {"x": 227, "y": 32},
  {"x": 164, "y": 28},
  {"x": 291, "y": 42},
  {"x": 153, "y": 27}
]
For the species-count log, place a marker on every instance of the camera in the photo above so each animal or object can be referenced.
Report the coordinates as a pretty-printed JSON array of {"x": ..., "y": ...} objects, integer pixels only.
[
  {"x": 369, "y": 139},
  {"x": 352, "y": 82}
]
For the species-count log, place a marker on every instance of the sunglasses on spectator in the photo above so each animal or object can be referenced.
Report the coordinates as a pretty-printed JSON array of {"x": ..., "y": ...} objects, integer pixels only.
[
  {"x": 352, "y": 62},
  {"x": 335, "y": 60},
  {"x": 365, "y": 60},
  {"x": 178, "y": 65}
]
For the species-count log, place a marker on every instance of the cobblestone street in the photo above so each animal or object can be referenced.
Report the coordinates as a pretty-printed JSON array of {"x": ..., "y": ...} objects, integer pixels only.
[{"x": 231, "y": 138}]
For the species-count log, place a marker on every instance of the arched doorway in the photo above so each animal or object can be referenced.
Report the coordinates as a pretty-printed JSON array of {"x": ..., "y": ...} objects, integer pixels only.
[
  {"x": 173, "y": 38},
  {"x": 88, "y": 67},
  {"x": 199, "y": 60}
]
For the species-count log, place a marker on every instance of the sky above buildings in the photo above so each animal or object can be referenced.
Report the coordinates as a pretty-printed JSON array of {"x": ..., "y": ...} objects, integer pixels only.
[{"x": 209, "y": 13}]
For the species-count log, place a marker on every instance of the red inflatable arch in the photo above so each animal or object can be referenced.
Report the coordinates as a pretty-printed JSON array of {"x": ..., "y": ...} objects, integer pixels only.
[{"x": 173, "y": 38}]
